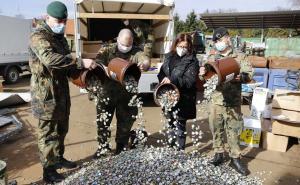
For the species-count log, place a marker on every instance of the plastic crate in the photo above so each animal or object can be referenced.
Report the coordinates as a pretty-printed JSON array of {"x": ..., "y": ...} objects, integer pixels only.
[
  {"x": 261, "y": 75},
  {"x": 283, "y": 79}
]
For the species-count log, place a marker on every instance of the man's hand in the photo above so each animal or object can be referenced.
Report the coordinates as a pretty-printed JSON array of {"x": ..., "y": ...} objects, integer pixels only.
[
  {"x": 202, "y": 71},
  {"x": 106, "y": 70},
  {"x": 145, "y": 65},
  {"x": 238, "y": 78},
  {"x": 89, "y": 63},
  {"x": 165, "y": 80}
]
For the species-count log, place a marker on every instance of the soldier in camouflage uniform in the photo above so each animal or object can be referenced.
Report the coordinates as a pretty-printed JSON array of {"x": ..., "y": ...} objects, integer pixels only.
[
  {"x": 51, "y": 63},
  {"x": 225, "y": 108},
  {"x": 118, "y": 96},
  {"x": 143, "y": 35}
]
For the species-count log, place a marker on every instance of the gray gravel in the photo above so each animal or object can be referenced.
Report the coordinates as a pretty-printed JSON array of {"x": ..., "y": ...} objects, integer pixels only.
[{"x": 156, "y": 166}]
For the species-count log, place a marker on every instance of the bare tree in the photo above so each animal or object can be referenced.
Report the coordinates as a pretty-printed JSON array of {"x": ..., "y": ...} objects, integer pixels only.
[
  {"x": 282, "y": 9},
  {"x": 230, "y": 10},
  {"x": 295, "y": 3},
  {"x": 20, "y": 16}
]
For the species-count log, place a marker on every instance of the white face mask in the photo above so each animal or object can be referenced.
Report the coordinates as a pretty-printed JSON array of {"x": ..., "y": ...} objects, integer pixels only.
[
  {"x": 181, "y": 51},
  {"x": 124, "y": 49},
  {"x": 221, "y": 46}
]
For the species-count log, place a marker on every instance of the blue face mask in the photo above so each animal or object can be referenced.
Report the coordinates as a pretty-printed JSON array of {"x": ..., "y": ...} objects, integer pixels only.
[
  {"x": 221, "y": 46},
  {"x": 59, "y": 28}
]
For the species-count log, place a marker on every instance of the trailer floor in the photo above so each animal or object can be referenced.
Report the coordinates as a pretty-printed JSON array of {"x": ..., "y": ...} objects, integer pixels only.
[{"x": 23, "y": 163}]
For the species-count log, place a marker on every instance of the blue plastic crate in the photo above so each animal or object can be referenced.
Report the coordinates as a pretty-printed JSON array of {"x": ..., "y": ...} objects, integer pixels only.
[
  {"x": 283, "y": 79},
  {"x": 261, "y": 75}
]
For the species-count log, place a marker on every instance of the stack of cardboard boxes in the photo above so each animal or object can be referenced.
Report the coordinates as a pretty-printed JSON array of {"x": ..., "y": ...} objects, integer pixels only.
[
  {"x": 285, "y": 120},
  {"x": 271, "y": 126}
]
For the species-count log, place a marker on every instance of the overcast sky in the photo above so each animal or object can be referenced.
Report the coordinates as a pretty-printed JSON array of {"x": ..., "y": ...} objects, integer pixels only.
[{"x": 36, "y": 8}]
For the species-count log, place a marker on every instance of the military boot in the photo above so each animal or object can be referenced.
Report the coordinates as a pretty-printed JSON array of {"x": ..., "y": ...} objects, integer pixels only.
[
  {"x": 120, "y": 148},
  {"x": 218, "y": 159},
  {"x": 50, "y": 175},
  {"x": 235, "y": 163},
  {"x": 64, "y": 163}
]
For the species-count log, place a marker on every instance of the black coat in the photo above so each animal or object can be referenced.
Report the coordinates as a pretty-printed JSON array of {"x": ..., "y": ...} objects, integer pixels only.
[{"x": 184, "y": 76}]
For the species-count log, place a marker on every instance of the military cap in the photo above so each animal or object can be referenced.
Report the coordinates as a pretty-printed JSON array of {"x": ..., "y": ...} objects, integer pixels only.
[
  {"x": 57, "y": 10},
  {"x": 219, "y": 33}
]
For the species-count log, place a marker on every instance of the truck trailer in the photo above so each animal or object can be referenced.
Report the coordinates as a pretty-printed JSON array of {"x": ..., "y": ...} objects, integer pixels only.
[
  {"x": 98, "y": 22},
  {"x": 14, "y": 56}
]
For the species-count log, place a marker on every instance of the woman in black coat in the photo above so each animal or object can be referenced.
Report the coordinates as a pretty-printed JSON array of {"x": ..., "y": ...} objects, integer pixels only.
[{"x": 181, "y": 68}]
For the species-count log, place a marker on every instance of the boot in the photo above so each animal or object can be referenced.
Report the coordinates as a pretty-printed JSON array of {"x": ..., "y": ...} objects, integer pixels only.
[
  {"x": 120, "y": 147},
  {"x": 50, "y": 175},
  {"x": 217, "y": 160},
  {"x": 64, "y": 163},
  {"x": 235, "y": 163},
  {"x": 102, "y": 152}
]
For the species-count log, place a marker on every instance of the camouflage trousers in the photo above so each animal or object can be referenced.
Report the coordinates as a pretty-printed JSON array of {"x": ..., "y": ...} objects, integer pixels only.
[
  {"x": 226, "y": 120},
  {"x": 124, "y": 113},
  {"x": 51, "y": 136}
]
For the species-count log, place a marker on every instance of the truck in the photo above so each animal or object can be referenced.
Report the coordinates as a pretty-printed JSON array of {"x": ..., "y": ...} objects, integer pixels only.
[
  {"x": 14, "y": 56},
  {"x": 98, "y": 22}
]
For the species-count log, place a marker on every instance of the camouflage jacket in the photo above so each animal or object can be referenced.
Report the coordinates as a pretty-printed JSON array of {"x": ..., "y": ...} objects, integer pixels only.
[
  {"x": 229, "y": 94},
  {"x": 109, "y": 52},
  {"x": 140, "y": 31},
  {"x": 50, "y": 63}
]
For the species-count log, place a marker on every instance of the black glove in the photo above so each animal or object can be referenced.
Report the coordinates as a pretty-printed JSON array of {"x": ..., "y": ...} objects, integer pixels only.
[{"x": 244, "y": 77}]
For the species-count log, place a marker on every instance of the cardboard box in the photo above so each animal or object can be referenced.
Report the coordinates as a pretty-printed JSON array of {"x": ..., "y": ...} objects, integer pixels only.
[
  {"x": 251, "y": 133},
  {"x": 259, "y": 62},
  {"x": 286, "y": 99},
  {"x": 266, "y": 125},
  {"x": 286, "y": 128},
  {"x": 286, "y": 115},
  {"x": 91, "y": 46},
  {"x": 259, "y": 102},
  {"x": 283, "y": 63},
  {"x": 89, "y": 55},
  {"x": 274, "y": 142}
]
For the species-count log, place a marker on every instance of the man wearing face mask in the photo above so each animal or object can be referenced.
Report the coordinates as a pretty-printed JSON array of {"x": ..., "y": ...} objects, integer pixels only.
[
  {"x": 51, "y": 64},
  {"x": 117, "y": 94},
  {"x": 225, "y": 107}
]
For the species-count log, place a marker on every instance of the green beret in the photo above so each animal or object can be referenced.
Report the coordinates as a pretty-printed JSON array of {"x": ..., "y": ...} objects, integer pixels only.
[{"x": 57, "y": 10}]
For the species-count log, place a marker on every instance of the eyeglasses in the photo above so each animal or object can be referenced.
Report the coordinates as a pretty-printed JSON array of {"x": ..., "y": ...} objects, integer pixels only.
[{"x": 182, "y": 47}]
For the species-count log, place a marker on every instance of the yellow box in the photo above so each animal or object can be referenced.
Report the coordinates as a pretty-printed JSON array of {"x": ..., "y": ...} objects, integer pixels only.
[{"x": 251, "y": 133}]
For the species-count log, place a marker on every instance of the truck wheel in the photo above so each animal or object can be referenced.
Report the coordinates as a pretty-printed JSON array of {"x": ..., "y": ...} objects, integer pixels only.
[{"x": 11, "y": 75}]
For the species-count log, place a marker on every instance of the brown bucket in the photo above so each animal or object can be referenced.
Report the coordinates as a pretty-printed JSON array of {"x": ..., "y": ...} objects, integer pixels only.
[
  {"x": 226, "y": 69},
  {"x": 80, "y": 78},
  {"x": 162, "y": 87},
  {"x": 119, "y": 68}
]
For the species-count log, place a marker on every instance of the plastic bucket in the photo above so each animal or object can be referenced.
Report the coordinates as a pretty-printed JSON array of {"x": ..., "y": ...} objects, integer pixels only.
[
  {"x": 119, "y": 68},
  {"x": 165, "y": 86},
  {"x": 80, "y": 78},
  {"x": 226, "y": 69},
  {"x": 3, "y": 177}
]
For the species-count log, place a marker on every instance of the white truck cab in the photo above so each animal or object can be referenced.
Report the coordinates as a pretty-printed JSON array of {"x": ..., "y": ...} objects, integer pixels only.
[{"x": 98, "y": 22}]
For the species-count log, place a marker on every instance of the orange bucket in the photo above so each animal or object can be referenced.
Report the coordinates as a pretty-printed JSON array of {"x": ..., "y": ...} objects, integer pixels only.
[
  {"x": 80, "y": 78},
  {"x": 168, "y": 86},
  {"x": 226, "y": 69},
  {"x": 119, "y": 68}
]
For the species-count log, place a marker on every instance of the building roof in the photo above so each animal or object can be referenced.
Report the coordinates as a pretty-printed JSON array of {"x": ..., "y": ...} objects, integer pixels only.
[
  {"x": 240, "y": 20},
  {"x": 70, "y": 27}
]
